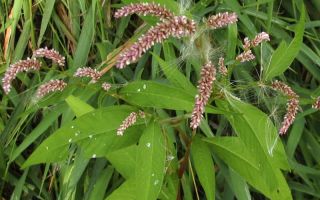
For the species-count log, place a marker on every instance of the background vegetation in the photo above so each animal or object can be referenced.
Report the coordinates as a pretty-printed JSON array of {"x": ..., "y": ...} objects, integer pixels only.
[{"x": 65, "y": 145}]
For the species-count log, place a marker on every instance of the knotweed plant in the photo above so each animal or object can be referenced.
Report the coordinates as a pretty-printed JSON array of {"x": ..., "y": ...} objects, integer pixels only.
[{"x": 166, "y": 137}]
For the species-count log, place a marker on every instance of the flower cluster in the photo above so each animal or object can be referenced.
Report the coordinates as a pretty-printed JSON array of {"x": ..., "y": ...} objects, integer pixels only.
[
  {"x": 129, "y": 121},
  {"x": 106, "y": 86},
  {"x": 208, "y": 75},
  {"x": 88, "y": 72},
  {"x": 51, "y": 86},
  {"x": 144, "y": 9},
  {"x": 283, "y": 88},
  {"x": 247, "y": 55},
  {"x": 222, "y": 67},
  {"x": 316, "y": 104},
  {"x": 14, "y": 69},
  {"x": 50, "y": 54},
  {"x": 221, "y": 19},
  {"x": 292, "y": 105},
  {"x": 178, "y": 26}
]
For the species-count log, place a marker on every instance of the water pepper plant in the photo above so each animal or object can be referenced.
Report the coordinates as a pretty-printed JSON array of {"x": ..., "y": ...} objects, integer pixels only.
[{"x": 174, "y": 112}]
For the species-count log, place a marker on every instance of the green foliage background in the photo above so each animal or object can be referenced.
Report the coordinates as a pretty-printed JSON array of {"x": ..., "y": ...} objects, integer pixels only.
[{"x": 65, "y": 146}]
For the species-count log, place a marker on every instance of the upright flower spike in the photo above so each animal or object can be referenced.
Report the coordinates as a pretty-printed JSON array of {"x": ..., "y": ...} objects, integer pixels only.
[
  {"x": 221, "y": 19},
  {"x": 51, "y": 86},
  {"x": 88, "y": 72},
  {"x": 316, "y": 104},
  {"x": 144, "y": 9},
  {"x": 127, "y": 122},
  {"x": 222, "y": 67},
  {"x": 50, "y": 54},
  {"x": 14, "y": 69},
  {"x": 208, "y": 75},
  {"x": 292, "y": 105},
  {"x": 178, "y": 27}
]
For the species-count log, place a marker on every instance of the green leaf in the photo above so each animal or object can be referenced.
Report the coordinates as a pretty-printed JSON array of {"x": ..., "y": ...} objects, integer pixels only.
[
  {"x": 260, "y": 137},
  {"x": 85, "y": 39},
  {"x": 150, "y": 169},
  {"x": 124, "y": 160},
  {"x": 95, "y": 132},
  {"x": 48, "y": 7},
  {"x": 238, "y": 157},
  {"x": 204, "y": 166},
  {"x": 100, "y": 186},
  {"x": 125, "y": 191},
  {"x": 257, "y": 131},
  {"x": 78, "y": 106},
  {"x": 284, "y": 55},
  {"x": 174, "y": 75},
  {"x": 159, "y": 95}
]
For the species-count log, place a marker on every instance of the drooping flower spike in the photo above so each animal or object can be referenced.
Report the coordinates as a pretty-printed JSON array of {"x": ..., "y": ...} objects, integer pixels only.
[
  {"x": 14, "y": 69},
  {"x": 88, "y": 72},
  {"x": 50, "y": 54},
  {"x": 284, "y": 89},
  {"x": 178, "y": 27},
  {"x": 208, "y": 76},
  {"x": 292, "y": 109},
  {"x": 144, "y": 9},
  {"x": 292, "y": 105},
  {"x": 221, "y": 20},
  {"x": 51, "y": 86}
]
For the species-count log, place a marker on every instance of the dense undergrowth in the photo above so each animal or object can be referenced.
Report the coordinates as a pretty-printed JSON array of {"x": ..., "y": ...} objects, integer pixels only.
[{"x": 133, "y": 132}]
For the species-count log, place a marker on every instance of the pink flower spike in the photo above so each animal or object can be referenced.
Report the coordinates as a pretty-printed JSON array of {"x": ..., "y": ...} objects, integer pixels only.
[
  {"x": 222, "y": 19},
  {"x": 14, "y": 69},
  {"x": 88, "y": 72},
  {"x": 245, "y": 56},
  {"x": 222, "y": 68},
  {"x": 51, "y": 86},
  {"x": 208, "y": 76},
  {"x": 144, "y": 9},
  {"x": 50, "y": 54},
  {"x": 126, "y": 123},
  {"x": 263, "y": 36},
  {"x": 106, "y": 86},
  {"x": 292, "y": 109},
  {"x": 316, "y": 104},
  {"x": 178, "y": 27},
  {"x": 246, "y": 44},
  {"x": 284, "y": 89}
]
